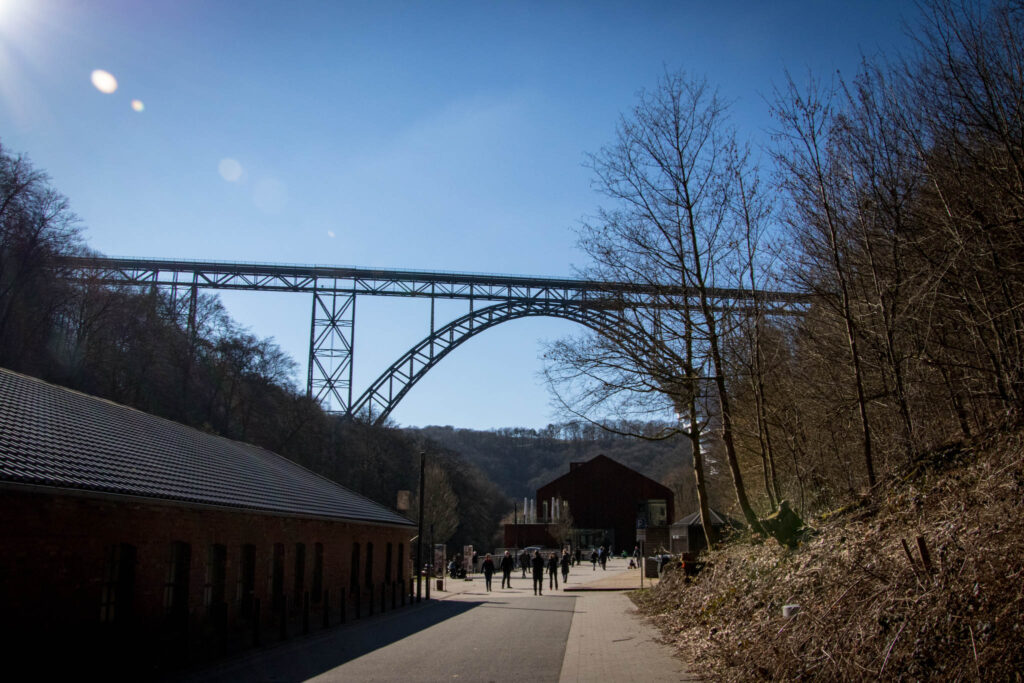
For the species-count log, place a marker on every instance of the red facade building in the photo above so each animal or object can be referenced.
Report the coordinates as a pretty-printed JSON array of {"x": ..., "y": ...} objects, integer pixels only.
[
  {"x": 131, "y": 545},
  {"x": 604, "y": 502}
]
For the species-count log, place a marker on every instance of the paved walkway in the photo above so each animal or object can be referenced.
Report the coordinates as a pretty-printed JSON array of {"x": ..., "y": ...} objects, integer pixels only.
[{"x": 608, "y": 639}]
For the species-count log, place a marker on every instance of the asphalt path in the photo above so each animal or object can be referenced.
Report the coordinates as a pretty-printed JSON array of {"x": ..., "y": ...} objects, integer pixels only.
[{"x": 503, "y": 635}]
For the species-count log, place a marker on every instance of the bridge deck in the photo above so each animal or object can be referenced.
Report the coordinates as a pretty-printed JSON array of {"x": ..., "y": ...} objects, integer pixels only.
[{"x": 385, "y": 282}]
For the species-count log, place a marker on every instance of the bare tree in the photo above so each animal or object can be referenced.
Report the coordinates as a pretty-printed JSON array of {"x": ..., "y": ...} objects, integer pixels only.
[
  {"x": 440, "y": 505},
  {"x": 36, "y": 225},
  {"x": 813, "y": 181},
  {"x": 671, "y": 174}
]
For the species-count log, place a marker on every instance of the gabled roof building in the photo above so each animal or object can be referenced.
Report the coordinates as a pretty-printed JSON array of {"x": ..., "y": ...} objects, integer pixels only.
[
  {"x": 607, "y": 503},
  {"x": 132, "y": 544}
]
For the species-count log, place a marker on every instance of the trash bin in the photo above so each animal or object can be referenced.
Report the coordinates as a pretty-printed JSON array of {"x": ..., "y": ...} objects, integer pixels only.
[
  {"x": 650, "y": 567},
  {"x": 440, "y": 584}
]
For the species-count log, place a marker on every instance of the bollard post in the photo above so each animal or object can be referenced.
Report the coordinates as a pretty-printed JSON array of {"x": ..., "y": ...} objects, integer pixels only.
[
  {"x": 305, "y": 613},
  {"x": 428, "y": 577},
  {"x": 256, "y": 621},
  {"x": 369, "y": 595},
  {"x": 357, "y": 593},
  {"x": 220, "y": 613},
  {"x": 284, "y": 617},
  {"x": 344, "y": 602},
  {"x": 326, "y": 609}
]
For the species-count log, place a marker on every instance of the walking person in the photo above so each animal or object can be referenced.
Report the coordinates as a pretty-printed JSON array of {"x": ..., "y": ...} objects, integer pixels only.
[
  {"x": 538, "y": 573},
  {"x": 506, "y": 570},
  {"x": 602, "y": 556},
  {"x": 593, "y": 560},
  {"x": 566, "y": 559},
  {"x": 488, "y": 571},
  {"x": 553, "y": 571},
  {"x": 524, "y": 562}
]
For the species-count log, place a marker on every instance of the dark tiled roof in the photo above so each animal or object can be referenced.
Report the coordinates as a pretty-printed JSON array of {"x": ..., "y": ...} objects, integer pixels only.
[
  {"x": 53, "y": 436},
  {"x": 606, "y": 466}
]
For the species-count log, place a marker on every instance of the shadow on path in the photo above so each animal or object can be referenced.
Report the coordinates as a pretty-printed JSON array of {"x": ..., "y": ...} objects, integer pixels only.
[{"x": 304, "y": 658}]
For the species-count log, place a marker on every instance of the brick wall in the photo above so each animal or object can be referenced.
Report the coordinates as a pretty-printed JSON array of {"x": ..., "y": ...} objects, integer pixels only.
[{"x": 56, "y": 559}]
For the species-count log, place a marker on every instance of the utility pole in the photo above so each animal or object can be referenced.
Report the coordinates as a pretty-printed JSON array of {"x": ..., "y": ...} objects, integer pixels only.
[{"x": 419, "y": 538}]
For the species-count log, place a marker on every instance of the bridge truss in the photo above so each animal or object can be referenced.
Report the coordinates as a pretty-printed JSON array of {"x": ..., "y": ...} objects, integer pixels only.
[{"x": 334, "y": 290}]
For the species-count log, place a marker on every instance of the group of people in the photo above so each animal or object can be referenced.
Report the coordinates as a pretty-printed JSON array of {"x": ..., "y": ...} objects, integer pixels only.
[
  {"x": 599, "y": 556},
  {"x": 538, "y": 563}
]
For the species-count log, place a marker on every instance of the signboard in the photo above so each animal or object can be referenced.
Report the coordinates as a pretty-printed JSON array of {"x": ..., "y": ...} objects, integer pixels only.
[{"x": 641, "y": 534}]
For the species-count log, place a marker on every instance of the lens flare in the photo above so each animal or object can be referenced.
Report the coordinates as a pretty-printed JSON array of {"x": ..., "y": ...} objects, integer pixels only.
[
  {"x": 330, "y": 233},
  {"x": 230, "y": 170},
  {"x": 137, "y": 105},
  {"x": 104, "y": 81}
]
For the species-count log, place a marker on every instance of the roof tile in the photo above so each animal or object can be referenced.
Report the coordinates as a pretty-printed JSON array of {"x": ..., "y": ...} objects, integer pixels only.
[{"x": 54, "y": 436}]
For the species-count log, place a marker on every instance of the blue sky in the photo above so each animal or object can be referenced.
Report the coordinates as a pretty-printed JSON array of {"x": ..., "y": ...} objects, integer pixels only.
[{"x": 427, "y": 135}]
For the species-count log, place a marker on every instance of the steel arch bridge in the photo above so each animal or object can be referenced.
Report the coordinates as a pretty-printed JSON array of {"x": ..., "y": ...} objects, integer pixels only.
[{"x": 334, "y": 290}]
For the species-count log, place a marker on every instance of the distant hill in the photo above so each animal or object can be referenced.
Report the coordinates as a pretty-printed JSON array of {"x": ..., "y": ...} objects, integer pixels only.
[{"x": 519, "y": 461}]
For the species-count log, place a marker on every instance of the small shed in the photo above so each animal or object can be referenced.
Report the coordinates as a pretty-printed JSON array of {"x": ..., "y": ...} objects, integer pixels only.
[{"x": 688, "y": 533}]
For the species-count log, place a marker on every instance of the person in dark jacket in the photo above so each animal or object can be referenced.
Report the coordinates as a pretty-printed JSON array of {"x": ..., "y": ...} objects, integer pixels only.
[
  {"x": 488, "y": 569},
  {"x": 507, "y": 564},
  {"x": 524, "y": 562},
  {"x": 553, "y": 571},
  {"x": 538, "y": 573},
  {"x": 565, "y": 562}
]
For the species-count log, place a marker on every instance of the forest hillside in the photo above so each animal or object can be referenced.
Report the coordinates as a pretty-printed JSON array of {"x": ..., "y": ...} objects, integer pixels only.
[{"x": 519, "y": 461}]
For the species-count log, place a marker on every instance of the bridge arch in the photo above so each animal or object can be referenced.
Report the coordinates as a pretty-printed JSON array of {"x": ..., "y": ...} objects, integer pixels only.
[{"x": 395, "y": 382}]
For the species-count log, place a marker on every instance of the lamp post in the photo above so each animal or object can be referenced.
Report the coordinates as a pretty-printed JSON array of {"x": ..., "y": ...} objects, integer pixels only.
[{"x": 419, "y": 538}]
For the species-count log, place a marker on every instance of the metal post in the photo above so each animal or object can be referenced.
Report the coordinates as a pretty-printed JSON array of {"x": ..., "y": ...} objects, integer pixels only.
[
  {"x": 419, "y": 538},
  {"x": 312, "y": 344},
  {"x": 430, "y": 561}
]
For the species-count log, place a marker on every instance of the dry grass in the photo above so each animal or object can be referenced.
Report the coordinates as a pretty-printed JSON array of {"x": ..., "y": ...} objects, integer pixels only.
[{"x": 867, "y": 610}]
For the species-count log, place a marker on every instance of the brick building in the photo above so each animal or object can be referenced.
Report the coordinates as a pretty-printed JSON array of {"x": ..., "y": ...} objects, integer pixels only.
[
  {"x": 606, "y": 502},
  {"x": 130, "y": 544}
]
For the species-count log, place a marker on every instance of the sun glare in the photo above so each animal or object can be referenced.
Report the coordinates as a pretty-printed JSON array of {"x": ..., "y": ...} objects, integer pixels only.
[
  {"x": 104, "y": 81},
  {"x": 10, "y": 11}
]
